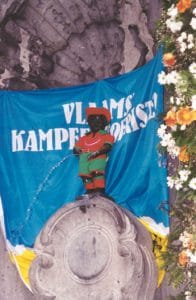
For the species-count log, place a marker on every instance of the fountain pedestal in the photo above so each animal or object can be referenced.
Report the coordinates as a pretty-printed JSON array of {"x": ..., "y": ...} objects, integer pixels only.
[{"x": 101, "y": 254}]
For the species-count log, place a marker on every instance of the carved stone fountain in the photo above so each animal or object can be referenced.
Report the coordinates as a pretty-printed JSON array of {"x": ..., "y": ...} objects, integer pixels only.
[{"x": 103, "y": 253}]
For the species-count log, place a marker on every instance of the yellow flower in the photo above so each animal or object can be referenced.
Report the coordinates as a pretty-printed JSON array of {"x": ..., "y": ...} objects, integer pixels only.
[
  {"x": 183, "y": 5},
  {"x": 183, "y": 258},
  {"x": 184, "y": 155},
  {"x": 185, "y": 116},
  {"x": 170, "y": 118},
  {"x": 169, "y": 59}
]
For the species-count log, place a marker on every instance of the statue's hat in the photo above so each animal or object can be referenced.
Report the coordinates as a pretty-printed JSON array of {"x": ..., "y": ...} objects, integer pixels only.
[{"x": 98, "y": 111}]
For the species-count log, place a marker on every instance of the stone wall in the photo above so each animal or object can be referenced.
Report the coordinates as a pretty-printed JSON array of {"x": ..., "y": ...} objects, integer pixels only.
[
  {"x": 65, "y": 42},
  {"x": 53, "y": 43}
]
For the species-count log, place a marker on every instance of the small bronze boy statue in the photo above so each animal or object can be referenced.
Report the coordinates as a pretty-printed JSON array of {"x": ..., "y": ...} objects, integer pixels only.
[{"x": 93, "y": 150}]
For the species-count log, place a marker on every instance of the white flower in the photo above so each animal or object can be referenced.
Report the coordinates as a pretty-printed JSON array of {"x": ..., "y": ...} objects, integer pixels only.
[
  {"x": 166, "y": 140},
  {"x": 169, "y": 22},
  {"x": 188, "y": 295},
  {"x": 178, "y": 101},
  {"x": 173, "y": 150},
  {"x": 169, "y": 142},
  {"x": 182, "y": 127},
  {"x": 184, "y": 35},
  {"x": 192, "y": 183},
  {"x": 172, "y": 11},
  {"x": 174, "y": 25},
  {"x": 176, "y": 151},
  {"x": 161, "y": 130},
  {"x": 174, "y": 128},
  {"x": 178, "y": 184},
  {"x": 162, "y": 77},
  {"x": 192, "y": 256},
  {"x": 190, "y": 46},
  {"x": 178, "y": 26},
  {"x": 172, "y": 100},
  {"x": 184, "y": 174},
  {"x": 183, "y": 47},
  {"x": 190, "y": 37},
  {"x": 193, "y": 100},
  {"x": 170, "y": 182},
  {"x": 181, "y": 38},
  {"x": 193, "y": 23},
  {"x": 172, "y": 77},
  {"x": 192, "y": 69},
  {"x": 185, "y": 41},
  {"x": 185, "y": 238},
  {"x": 174, "y": 108},
  {"x": 194, "y": 11}
]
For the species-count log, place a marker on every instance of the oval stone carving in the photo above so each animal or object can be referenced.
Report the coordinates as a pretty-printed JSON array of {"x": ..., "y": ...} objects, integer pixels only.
[
  {"x": 88, "y": 253},
  {"x": 96, "y": 254}
]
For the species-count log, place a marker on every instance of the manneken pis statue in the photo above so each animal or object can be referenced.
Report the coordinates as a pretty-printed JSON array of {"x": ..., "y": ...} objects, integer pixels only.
[{"x": 93, "y": 149}]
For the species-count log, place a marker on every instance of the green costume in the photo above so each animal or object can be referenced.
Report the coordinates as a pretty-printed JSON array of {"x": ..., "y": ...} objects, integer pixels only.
[{"x": 93, "y": 169}]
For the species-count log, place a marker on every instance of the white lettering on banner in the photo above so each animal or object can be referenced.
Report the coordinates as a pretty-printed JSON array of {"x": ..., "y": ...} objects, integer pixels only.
[
  {"x": 61, "y": 136},
  {"x": 45, "y": 137},
  {"x": 17, "y": 141},
  {"x": 68, "y": 111},
  {"x": 78, "y": 113},
  {"x": 118, "y": 109},
  {"x": 31, "y": 144},
  {"x": 38, "y": 140},
  {"x": 142, "y": 115},
  {"x": 128, "y": 119},
  {"x": 73, "y": 136}
]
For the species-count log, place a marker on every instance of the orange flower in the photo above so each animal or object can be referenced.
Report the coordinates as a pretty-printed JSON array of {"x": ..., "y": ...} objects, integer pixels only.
[
  {"x": 183, "y": 5},
  {"x": 169, "y": 59},
  {"x": 184, "y": 156},
  {"x": 194, "y": 115},
  {"x": 191, "y": 245},
  {"x": 170, "y": 118},
  {"x": 183, "y": 258},
  {"x": 185, "y": 116}
]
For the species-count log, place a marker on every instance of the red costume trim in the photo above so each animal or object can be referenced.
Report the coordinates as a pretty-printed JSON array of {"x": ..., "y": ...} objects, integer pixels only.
[
  {"x": 99, "y": 183},
  {"x": 98, "y": 111},
  {"x": 93, "y": 142},
  {"x": 85, "y": 175},
  {"x": 89, "y": 186},
  {"x": 97, "y": 173}
]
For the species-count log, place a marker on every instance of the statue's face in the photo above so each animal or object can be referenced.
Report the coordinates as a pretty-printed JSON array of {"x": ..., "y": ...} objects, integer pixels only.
[{"x": 97, "y": 122}]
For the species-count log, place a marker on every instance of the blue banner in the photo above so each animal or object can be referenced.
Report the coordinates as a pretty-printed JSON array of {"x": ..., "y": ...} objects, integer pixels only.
[{"x": 38, "y": 130}]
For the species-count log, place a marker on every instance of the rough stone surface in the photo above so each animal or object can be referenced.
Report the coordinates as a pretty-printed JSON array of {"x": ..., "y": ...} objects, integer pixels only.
[
  {"x": 66, "y": 42},
  {"x": 9, "y": 8},
  {"x": 98, "y": 254}
]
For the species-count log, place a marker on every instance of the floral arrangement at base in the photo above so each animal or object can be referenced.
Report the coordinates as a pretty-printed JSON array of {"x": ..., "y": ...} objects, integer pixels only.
[{"x": 176, "y": 32}]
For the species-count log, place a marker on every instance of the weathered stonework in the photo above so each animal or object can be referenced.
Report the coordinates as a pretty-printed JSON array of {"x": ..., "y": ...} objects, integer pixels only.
[
  {"x": 59, "y": 43},
  {"x": 97, "y": 255},
  {"x": 56, "y": 43}
]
